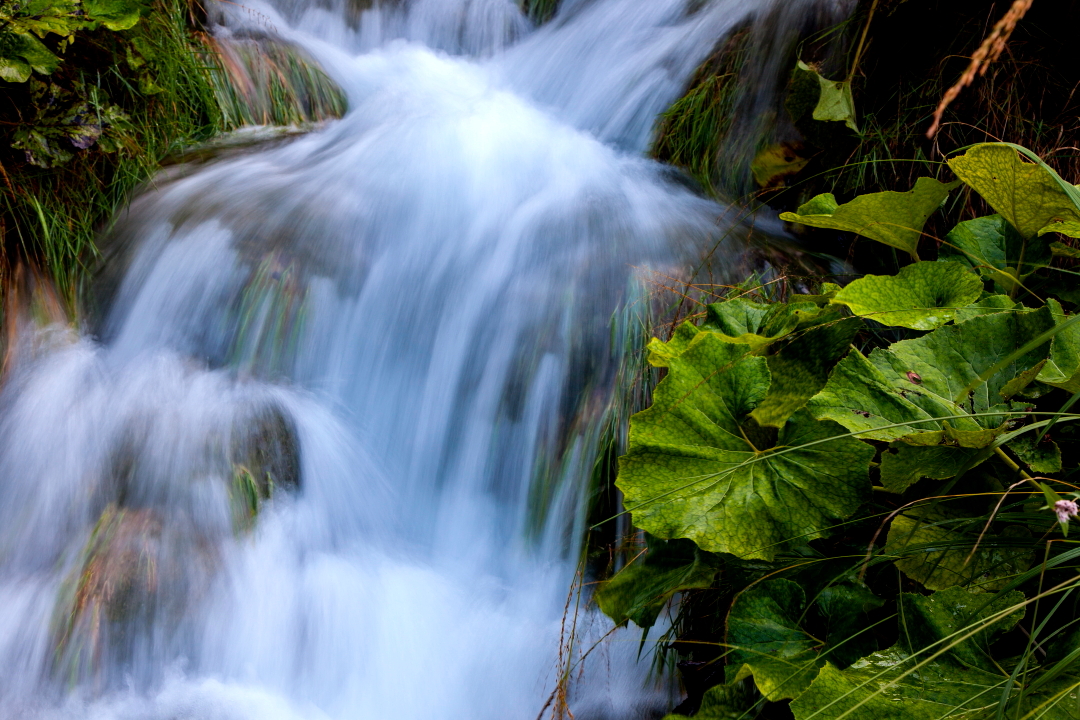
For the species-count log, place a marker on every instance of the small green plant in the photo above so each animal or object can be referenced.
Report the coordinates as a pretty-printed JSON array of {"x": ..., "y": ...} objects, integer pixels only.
[{"x": 857, "y": 492}]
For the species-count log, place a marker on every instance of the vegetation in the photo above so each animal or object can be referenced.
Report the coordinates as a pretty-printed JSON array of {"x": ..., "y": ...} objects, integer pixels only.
[
  {"x": 98, "y": 94},
  {"x": 864, "y": 494},
  {"x": 112, "y": 88}
]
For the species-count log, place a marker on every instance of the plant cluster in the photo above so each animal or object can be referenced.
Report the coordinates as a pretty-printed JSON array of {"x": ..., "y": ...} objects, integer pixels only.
[
  {"x": 863, "y": 495},
  {"x": 95, "y": 94}
]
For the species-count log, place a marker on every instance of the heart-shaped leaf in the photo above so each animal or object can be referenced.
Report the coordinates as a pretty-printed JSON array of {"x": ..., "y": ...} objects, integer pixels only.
[{"x": 922, "y": 296}]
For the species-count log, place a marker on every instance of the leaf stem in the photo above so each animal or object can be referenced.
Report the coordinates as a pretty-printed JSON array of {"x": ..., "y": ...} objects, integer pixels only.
[{"x": 1016, "y": 467}]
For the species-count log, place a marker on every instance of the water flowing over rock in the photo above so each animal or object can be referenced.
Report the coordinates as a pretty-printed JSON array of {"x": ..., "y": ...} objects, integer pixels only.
[{"x": 325, "y": 453}]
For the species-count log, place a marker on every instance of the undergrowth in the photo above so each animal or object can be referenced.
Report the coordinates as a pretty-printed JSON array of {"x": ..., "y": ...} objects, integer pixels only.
[
  {"x": 863, "y": 494},
  {"x": 109, "y": 100}
]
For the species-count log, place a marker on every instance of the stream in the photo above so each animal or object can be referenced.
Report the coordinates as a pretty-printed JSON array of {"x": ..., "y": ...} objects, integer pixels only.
[{"x": 323, "y": 447}]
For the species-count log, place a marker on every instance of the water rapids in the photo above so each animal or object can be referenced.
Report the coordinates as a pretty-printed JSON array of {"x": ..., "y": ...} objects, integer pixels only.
[{"x": 324, "y": 450}]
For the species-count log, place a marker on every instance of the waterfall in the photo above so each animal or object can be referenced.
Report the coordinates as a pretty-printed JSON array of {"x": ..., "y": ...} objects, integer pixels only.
[{"x": 323, "y": 449}]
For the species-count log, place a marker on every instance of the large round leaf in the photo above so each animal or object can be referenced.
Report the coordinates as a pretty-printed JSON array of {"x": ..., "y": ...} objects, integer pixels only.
[{"x": 697, "y": 468}]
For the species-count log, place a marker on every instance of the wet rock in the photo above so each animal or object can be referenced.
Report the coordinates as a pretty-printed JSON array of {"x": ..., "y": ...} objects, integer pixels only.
[
  {"x": 114, "y": 583},
  {"x": 265, "y": 459}
]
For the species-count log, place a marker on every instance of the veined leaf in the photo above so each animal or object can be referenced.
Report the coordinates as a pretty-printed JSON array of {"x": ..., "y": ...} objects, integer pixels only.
[
  {"x": 767, "y": 642},
  {"x": 1042, "y": 457},
  {"x": 907, "y": 683},
  {"x": 722, "y": 702},
  {"x": 922, "y": 296},
  {"x": 801, "y": 368},
  {"x": 916, "y": 382},
  {"x": 758, "y": 325},
  {"x": 991, "y": 245},
  {"x": 1028, "y": 195},
  {"x": 929, "y": 550},
  {"x": 903, "y": 465},
  {"x": 115, "y": 14},
  {"x": 767, "y": 635},
  {"x": 1062, "y": 370},
  {"x": 835, "y": 102},
  {"x": 693, "y": 469},
  {"x": 640, "y": 590},
  {"x": 893, "y": 218},
  {"x": 987, "y": 305},
  {"x": 22, "y": 52}
]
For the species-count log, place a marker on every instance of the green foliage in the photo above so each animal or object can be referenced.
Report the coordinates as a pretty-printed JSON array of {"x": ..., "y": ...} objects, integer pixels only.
[
  {"x": 931, "y": 548},
  {"x": 769, "y": 641},
  {"x": 939, "y": 669},
  {"x": 922, "y": 296},
  {"x": 893, "y": 218},
  {"x": 950, "y": 589},
  {"x": 642, "y": 589},
  {"x": 697, "y": 467},
  {"x": 23, "y": 26},
  {"x": 824, "y": 100}
]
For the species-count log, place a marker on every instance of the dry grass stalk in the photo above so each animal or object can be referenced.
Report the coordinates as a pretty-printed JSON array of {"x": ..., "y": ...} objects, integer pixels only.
[{"x": 988, "y": 52}]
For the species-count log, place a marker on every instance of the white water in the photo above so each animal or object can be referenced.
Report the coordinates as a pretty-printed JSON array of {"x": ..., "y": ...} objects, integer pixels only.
[{"x": 426, "y": 290}]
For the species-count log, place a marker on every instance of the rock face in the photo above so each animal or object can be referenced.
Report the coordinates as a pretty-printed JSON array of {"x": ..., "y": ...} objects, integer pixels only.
[
  {"x": 142, "y": 564},
  {"x": 265, "y": 460}
]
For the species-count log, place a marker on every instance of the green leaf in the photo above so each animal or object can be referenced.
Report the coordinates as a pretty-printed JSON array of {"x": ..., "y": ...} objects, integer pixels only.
[
  {"x": 906, "y": 682},
  {"x": 768, "y": 638},
  {"x": 954, "y": 612},
  {"x": 987, "y": 305},
  {"x": 801, "y": 368},
  {"x": 933, "y": 548},
  {"x": 903, "y": 465},
  {"x": 836, "y": 103},
  {"x": 641, "y": 590},
  {"x": 1043, "y": 457},
  {"x": 1063, "y": 368},
  {"x": 767, "y": 642},
  {"x": 876, "y": 688},
  {"x": 115, "y": 14},
  {"x": 922, "y": 296},
  {"x": 1028, "y": 195},
  {"x": 1059, "y": 249},
  {"x": 995, "y": 249},
  {"x": 893, "y": 218},
  {"x": 919, "y": 380},
  {"x": 759, "y": 325},
  {"x": 692, "y": 471},
  {"x": 722, "y": 702},
  {"x": 21, "y": 49},
  {"x": 13, "y": 69},
  {"x": 863, "y": 399}
]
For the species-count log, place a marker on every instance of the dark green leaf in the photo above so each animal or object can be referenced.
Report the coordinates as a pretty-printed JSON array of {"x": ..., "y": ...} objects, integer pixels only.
[
  {"x": 801, "y": 368},
  {"x": 641, "y": 590},
  {"x": 933, "y": 548},
  {"x": 992, "y": 246}
]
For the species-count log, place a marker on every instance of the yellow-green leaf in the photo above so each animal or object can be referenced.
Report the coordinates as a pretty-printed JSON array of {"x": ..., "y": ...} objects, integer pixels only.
[
  {"x": 1029, "y": 196},
  {"x": 922, "y": 296},
  {"x": 893, "y": 218}
]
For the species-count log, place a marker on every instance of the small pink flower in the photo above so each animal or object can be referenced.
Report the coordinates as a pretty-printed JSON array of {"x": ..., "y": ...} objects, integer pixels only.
[{"x": 1066, "y": 509}]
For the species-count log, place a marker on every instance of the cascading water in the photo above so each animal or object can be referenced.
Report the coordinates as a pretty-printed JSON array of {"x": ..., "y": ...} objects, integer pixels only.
[{"x": 326, "y": 454}]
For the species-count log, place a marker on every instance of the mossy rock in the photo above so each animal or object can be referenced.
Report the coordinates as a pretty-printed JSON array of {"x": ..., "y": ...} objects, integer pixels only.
[
  {"x": 265, "y": 457},
  {"x": 114, "y": 584}
]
